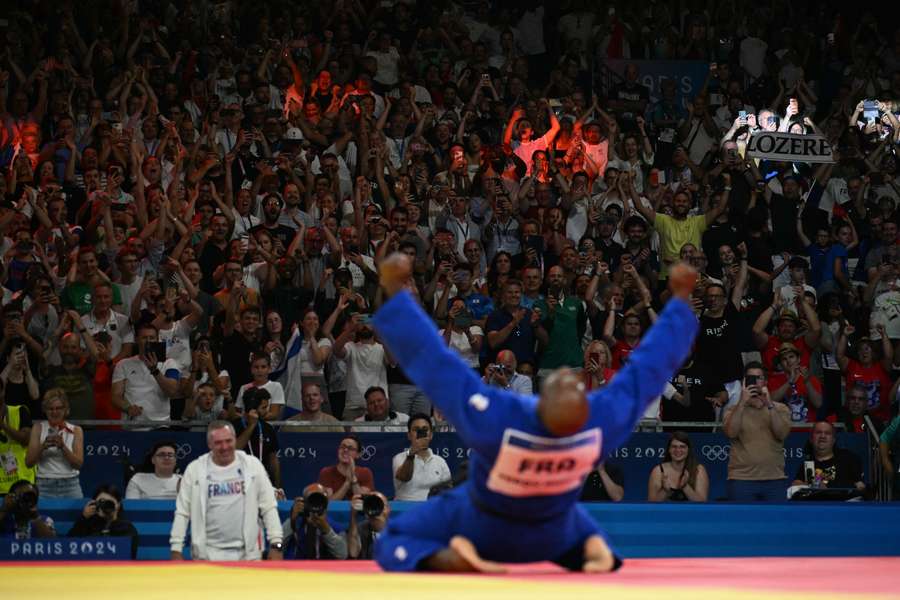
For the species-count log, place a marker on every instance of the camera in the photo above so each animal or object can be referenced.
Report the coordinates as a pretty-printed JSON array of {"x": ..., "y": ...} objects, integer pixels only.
[
  {"x": 26, "y": 502},
  {"x": 106, "y": 506},
  {"x": 315, "y": 504},
  {"x": 421, "y": 432},
  {"x": 372, "y": 505}
]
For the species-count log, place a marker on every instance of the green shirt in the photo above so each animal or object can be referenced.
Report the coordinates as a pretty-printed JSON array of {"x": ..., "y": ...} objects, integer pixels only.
[
  {"x": 566, "y": 328},
  {"x": 78, "y": 297},
  {"x": 887, "y": 436}
]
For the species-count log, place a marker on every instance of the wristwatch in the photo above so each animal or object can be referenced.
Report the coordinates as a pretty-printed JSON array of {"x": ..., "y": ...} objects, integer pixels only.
[
  {"x": 276, "y": 546},
  {"x": 154, "y": 371}
]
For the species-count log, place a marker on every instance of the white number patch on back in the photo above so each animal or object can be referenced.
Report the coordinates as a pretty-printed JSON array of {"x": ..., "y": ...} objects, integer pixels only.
[{"x": 531, "y": 465}]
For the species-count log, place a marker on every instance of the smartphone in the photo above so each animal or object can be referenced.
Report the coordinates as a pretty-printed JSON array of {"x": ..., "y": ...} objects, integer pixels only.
[
  {"x": 662, "y": 177},
  {"x": 830, "y": 38},
  {"x": 870, "y": 111},
  {"x": 535, "y": 242},
  {"x": 751, "y": 380},
  {"x": 365, "y": 319},
  {"x": 156, "y": 348},
  {"x": 742, "y": 114},
  {"x": 421, "y": 432},
  {"x": 463, "y": 321},
  {"x": 594, "y": 357},
  {"x": 485, "y": 77},
  {"x": 654, "y": 177}
]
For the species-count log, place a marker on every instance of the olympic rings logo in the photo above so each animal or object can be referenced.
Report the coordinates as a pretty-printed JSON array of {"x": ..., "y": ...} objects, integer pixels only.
[
  {"x": 368, "y": 453},
  {"x": 182, "y": 451},
  {"x": 715, "y": 453}
]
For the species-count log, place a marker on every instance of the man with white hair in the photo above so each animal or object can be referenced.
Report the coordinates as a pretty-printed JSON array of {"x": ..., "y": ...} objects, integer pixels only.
[{"x": 223, "y": 494}]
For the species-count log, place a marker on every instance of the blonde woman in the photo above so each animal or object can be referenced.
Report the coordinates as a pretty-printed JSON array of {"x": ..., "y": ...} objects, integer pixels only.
[
  {"x": 57, "y": 448},
  {"x": 597, "y": 365}
]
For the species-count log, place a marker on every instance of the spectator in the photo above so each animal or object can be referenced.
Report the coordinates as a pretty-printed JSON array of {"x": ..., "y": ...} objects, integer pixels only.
[
  {"x": 260, "y": 368},
  {"x": 564, "y": 320},
  {"x": 514, "y": 328},
  {"x": 361, "y": 536},
  {"x": 102, "y": 516},
  {"x": 56, "y": 448},
  {"x": 345, "y": 478},
  {"x": 417, "y": 469},
  {"x": 804, "y": 335},
  {"x": 503, "y": 374},
  {"x": 697, "y": 392},
  {"x": 141, "y": 389},
  {"x": 19, "y": 385},
  {"x": 856, "y": 410},
  {"x": 680, "y": 477},
  {"x": 889, "y": 448},
  {"x": 78, "y": 369},
  {"x": 461, "y": 333},
  {"x": 309, "y": 532},
  {"x": 101, "y": 317},
  {"x": 238, "y": 495},
  {"x": 606, "y": 483},
  {"x": 255, "y": 436},
  {"x": 366, "y": 362},
  {"x": 238, "y": 345},
  {"x": 15, "y": 433},
  {"x": 19, "y": 516},
  {"x": 157, "y": 478},
  {"x": 793, "y": 385},
  {"x": 379, "y": 413},
  {"x": 598, "y": 369},
  {"x": 757, "y": 428},
  {"x": 868, "y": 372},
  {"x": 312, "y": 413},
  {"x": 832, "y": 467}
]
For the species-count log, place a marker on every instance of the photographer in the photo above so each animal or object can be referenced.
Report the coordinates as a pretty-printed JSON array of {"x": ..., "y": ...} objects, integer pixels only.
[
  {"x": 361, "y": 537},
  {"x": 19, "y": 516},
  {"x": 309, "y": 533},
  {"x": 417, "y": 469},
  {"x": 102, "y": 517},
  {"x": 503, "y": 374}
]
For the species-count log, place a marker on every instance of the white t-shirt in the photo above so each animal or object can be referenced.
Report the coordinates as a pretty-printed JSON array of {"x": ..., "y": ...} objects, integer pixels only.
[
  {"x": 307, "y": 366},
  {"x": 460, "y": 343},
  {"x": 128, "y": 292},
  {"x": 753, "y": 56},
  {"x": 276, "y": 393},
  {"x": 116, "y": 325},
  {"x": 178, "y": 343},
  {"x": 427, "y": 473},
  {"x": 142, "y": 389},
  {"x": 525, "y": 150},
  {"x": 150, "y": 487},
  {"x": 388, "y": 73},
  {"x": 395, "y": 424},
  {"x": 224, "y": 506},
  {"x": 365, "y": 368}
]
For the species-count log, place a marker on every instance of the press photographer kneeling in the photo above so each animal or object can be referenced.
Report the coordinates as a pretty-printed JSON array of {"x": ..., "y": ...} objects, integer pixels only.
[
  {"x": 102, "y": 516},
  {"x": 361, "y": 537},
  {"x": 19, "y": 517},
  {"x": 308, "y": 533}
]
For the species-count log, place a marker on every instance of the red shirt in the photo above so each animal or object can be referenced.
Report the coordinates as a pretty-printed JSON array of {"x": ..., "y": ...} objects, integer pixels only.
[
  {"x": 876, "y": 380},
  {"x": 607, "y": 375},
  {"x": 797, "y": 396},
  {"x": 620, "y": 354},
  {"x": 103, "y": 406},
  {"x": 770, "y": 351},
  {"x": 330, "y": 477}
]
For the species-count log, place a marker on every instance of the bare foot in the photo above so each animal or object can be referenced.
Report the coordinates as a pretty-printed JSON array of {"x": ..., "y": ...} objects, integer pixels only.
[
  {"x": 462, "y": 557},
  {"x": 598, "y": 558}
]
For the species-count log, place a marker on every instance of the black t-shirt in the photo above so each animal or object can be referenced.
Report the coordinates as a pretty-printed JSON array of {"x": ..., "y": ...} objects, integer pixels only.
[
  {"x": 235, "y": 358},
  {"x": 715, "y": 236},
  {"x": 282, "y": 233},
  {"x": 784, "y": 225},
  {"x": 842, "y": 470},
  {"x": 718, "y": 343},
  {"x": 263, "y": 441},
  {"x": 24, "y": 423},
  {"x": 593, "y": 490},
  {"x": 210, "y": 259},
  {"x": 701, "y": 383},
  {"x": 290, "y": 302}
]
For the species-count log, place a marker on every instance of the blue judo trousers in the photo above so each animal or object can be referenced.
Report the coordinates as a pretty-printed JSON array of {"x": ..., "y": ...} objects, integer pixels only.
[{"x": 520, "y": 501}]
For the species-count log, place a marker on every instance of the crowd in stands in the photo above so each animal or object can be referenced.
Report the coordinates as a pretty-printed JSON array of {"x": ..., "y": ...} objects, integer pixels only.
[{"x": 196, "y": 197}]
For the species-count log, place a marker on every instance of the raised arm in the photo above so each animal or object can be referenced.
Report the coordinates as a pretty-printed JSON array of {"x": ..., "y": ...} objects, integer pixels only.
[{"x": 618, "y": 407}]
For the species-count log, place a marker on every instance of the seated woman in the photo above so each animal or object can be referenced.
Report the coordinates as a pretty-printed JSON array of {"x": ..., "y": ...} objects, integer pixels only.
[
  {"x": 680, "y": 477},
  {"x": 102, "y": 516},
  {"x": 157, "y": 479}
]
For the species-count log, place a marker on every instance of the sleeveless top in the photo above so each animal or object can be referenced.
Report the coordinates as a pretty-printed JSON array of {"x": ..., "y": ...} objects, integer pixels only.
[
  {"x": 674, "y": 495},
  {"x": 53, "y": 464}
]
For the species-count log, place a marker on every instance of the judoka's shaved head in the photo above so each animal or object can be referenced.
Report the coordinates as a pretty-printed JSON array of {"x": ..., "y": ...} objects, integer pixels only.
[{"x": 563, "y": 407}]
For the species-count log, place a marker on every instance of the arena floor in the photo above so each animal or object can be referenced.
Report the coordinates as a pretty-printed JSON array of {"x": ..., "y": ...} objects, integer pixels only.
[{"x": 689, "y": 579}]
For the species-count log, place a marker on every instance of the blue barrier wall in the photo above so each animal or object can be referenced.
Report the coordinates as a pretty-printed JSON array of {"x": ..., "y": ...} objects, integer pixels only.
[
  {"x": 638, "y": 530},
  {"x": 302, "y": 455}
]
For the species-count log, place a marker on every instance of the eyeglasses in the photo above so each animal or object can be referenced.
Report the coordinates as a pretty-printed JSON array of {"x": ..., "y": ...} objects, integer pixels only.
[
  {"x": 164, "y": 455},
  {"x": 351, "y": 447}
]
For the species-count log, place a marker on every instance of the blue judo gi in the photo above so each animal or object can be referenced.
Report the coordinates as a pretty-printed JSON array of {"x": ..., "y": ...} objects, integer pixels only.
[{"x": 520, "y": 501}]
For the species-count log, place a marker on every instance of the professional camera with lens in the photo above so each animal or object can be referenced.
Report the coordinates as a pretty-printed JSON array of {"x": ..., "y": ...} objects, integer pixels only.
[
  {"x": 26, "y": 503},
  {"x": 372, "y": 505},
  {"x": 315, "y": 504},
  {"x": 106, "y": 506}
]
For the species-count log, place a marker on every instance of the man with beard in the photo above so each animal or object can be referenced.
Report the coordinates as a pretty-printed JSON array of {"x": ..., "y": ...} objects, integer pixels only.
[
  {"x": 679, "y": 229},
  {"x": 75, "y": 374},
  {"x": 238, "y": 346},
  {"x": 271, "y": 207},
  {"x": 214, "y": 253},
  {"x": 101, "y": 317},
  {"x": 286, "y": 297}
]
